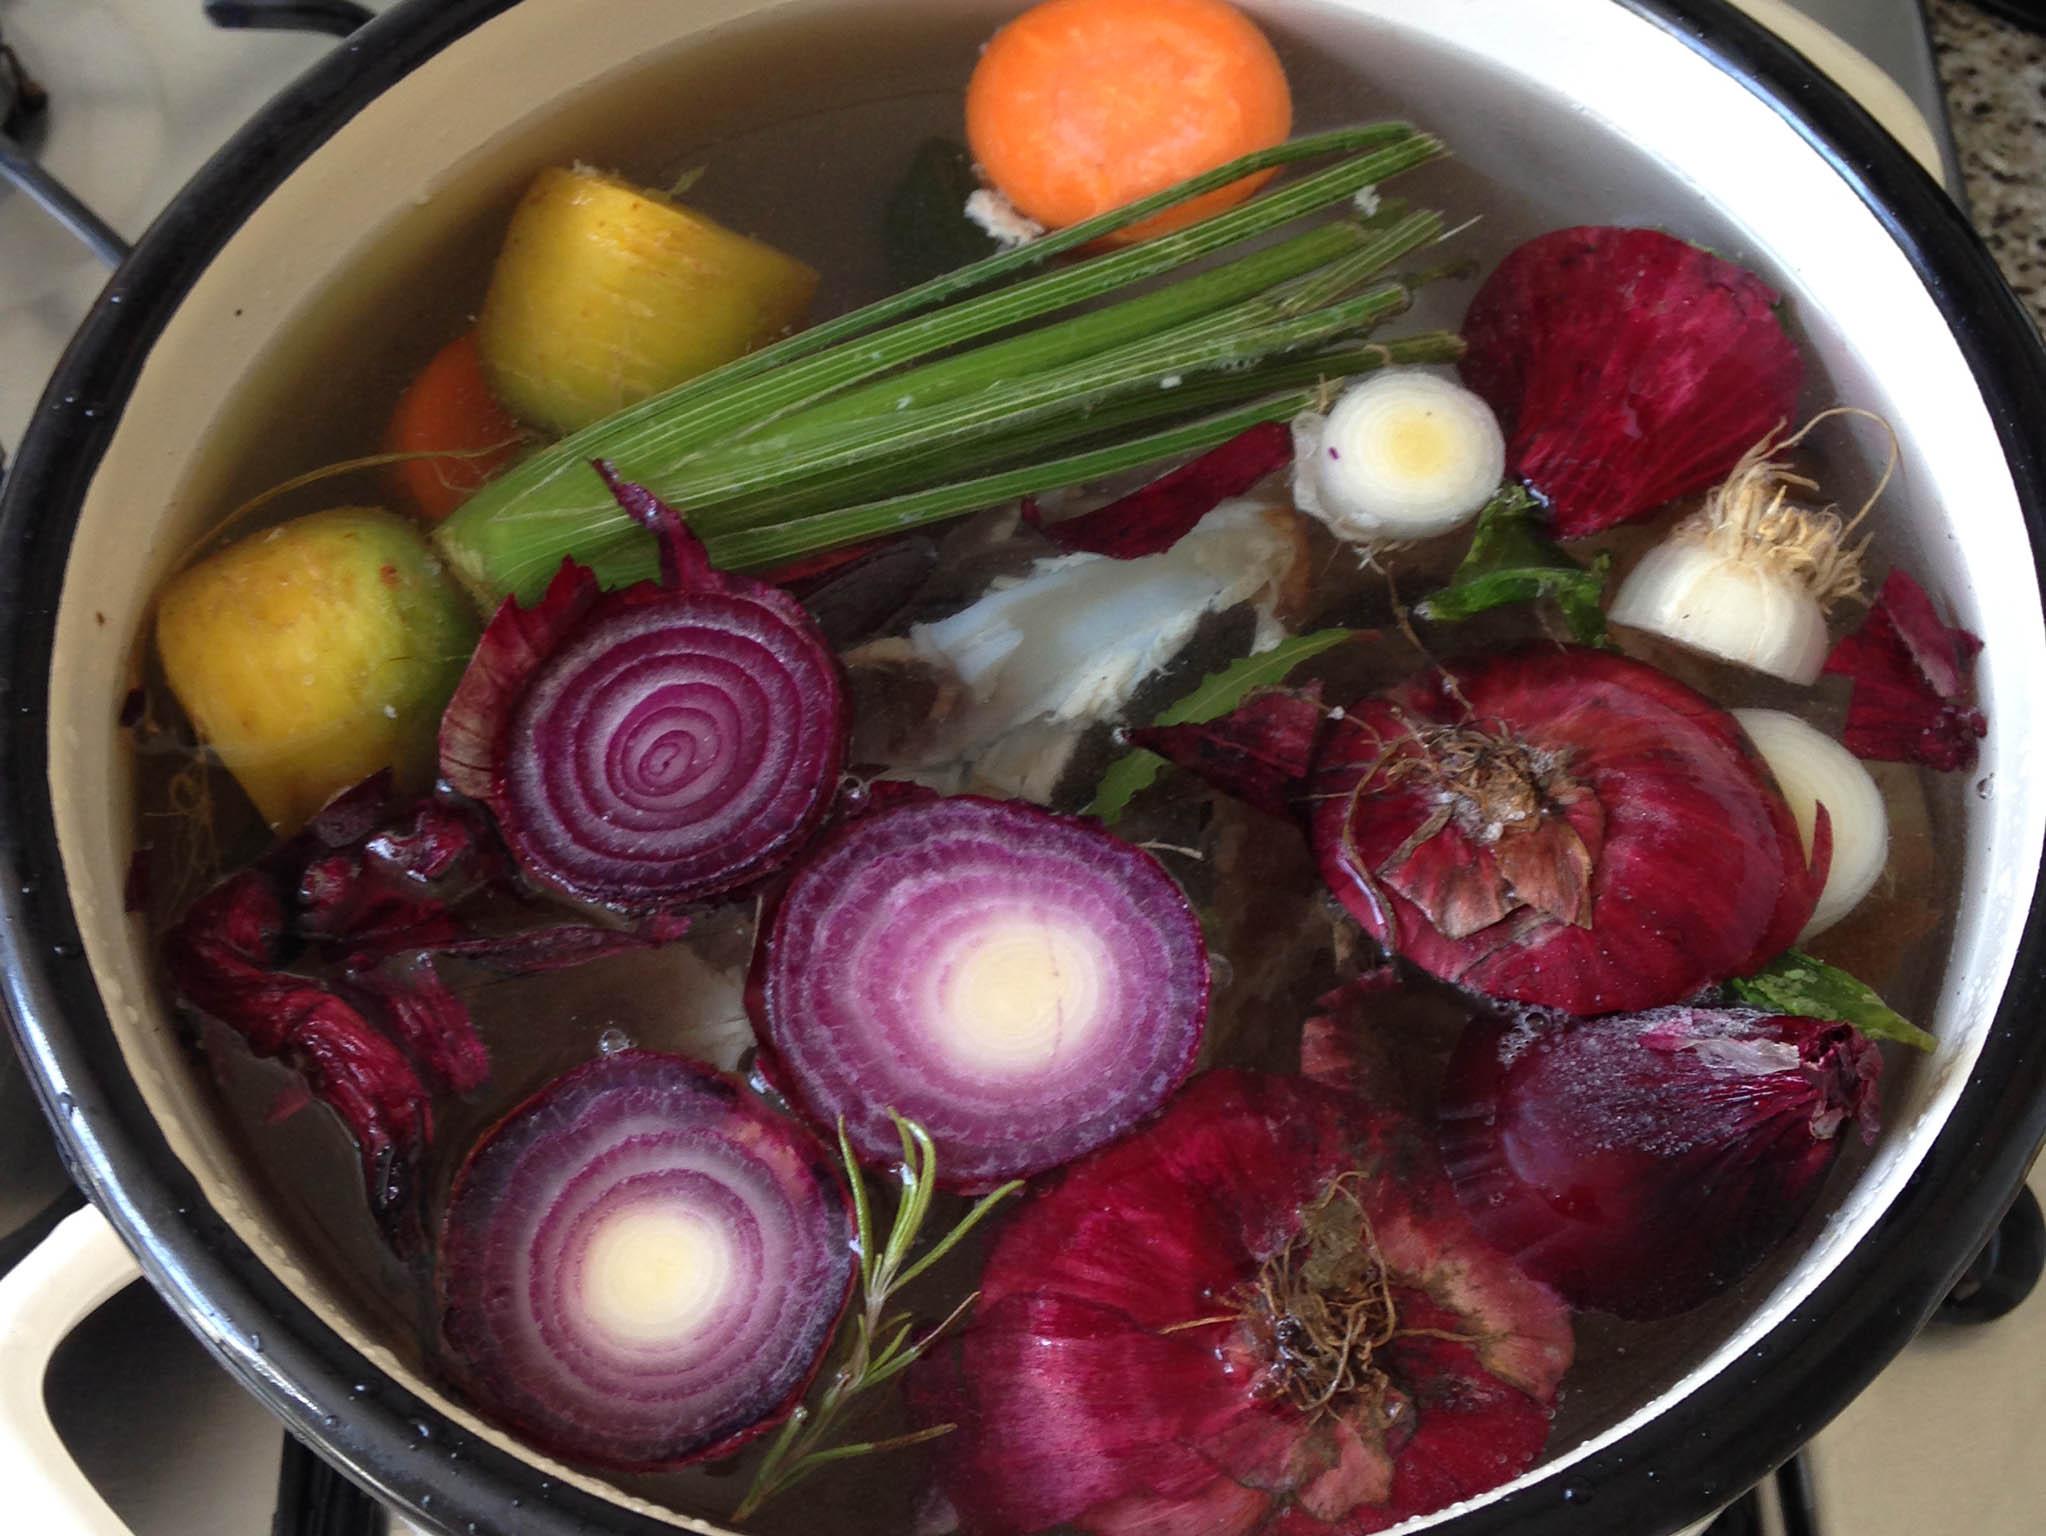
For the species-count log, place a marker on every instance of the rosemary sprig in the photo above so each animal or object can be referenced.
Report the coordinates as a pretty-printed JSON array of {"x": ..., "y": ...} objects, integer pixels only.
[{"x": 882, "y": 1344}]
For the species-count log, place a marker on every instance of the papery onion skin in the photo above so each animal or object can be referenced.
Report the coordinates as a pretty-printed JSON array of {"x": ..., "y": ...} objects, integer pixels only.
[
  {"x": 1154, "y": 517},
  {"x": 1669, "y": 864},
  {"x": 639, "y": 1135},
  {"x": 1628, "y": 367},
  {"x": 653, "y": 746},
  {"x": 1103, "y": 1383},
  {"x": 1913, "y": 701},
  {"x": 1643, "y": 1163},
  {"x": 904, "y": 930}
]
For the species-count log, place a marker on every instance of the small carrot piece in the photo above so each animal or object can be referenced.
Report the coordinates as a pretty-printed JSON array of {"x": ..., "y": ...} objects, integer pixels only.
[
  {"x": 449, "y": 409},
  {"x": 1081, "y": 106}
]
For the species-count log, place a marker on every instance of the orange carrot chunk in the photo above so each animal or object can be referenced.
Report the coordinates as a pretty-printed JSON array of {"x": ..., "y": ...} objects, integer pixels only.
[
  {"x": 450, "y": 410},
  {"x": 1081, "y": 106}
]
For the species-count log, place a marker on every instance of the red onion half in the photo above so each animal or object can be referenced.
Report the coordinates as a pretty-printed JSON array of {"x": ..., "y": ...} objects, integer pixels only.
[
  {"x": 1152, "y": 1351},
  {"x": 1643, "y": 1163},
  {"x": 1562, "y": 827},
  {"x": 640, "y": 1266},
  {"x": 1024, "y": 985},
  {"x": 1628, "y": 368},
  {"x": 655, "y": 745}
]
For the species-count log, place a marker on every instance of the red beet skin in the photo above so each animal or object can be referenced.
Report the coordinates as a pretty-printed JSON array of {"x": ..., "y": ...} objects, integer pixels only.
[
  {"x": 1912, "y": 699},
  {"x": 1643, "y": 1163},
  {"x": 1629, "y": 851},
  {"x": 1628, "y": 368},
  {"x": 1115, "y": 1379}
]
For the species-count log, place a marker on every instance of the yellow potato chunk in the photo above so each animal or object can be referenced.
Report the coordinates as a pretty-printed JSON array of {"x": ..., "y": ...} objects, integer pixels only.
[
  {"x": 316, "y": 653},
  {"x": 605, "y": 294}
]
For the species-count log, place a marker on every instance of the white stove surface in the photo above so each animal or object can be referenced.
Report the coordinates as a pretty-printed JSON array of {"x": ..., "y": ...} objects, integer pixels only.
[{"x": 143, "y": 91}]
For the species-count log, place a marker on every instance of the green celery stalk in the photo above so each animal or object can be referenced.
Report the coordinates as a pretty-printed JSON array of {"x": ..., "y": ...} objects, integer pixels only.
[
  {"x": 777, "y": 543},
  {"x": 1213, "y": 392},
  {"x": 552, "y": 491}
]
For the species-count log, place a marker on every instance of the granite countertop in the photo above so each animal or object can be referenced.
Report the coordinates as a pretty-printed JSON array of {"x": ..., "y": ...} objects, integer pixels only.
[{"x": 1995, "y": 77}]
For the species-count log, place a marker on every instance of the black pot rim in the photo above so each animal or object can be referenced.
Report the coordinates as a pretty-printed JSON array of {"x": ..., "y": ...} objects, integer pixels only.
[{"x": 1724, "y": 1436}]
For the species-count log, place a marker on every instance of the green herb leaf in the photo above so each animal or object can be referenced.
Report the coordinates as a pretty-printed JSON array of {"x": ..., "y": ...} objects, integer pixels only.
[
  {"x": 926, "y": 228},
  {"x": 1796, "y": 983},
  {"x": 1133, "y": 772},
  {"x": 877, "y": 1346},
  {"x": 1511, "y": 560}
]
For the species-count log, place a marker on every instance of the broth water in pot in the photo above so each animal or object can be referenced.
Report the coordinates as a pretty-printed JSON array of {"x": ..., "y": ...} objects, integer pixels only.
[{"x": 840, "y": 835}]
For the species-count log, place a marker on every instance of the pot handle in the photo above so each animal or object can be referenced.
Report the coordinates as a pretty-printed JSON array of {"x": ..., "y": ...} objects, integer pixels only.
[{"x": 80, "y": 1265}]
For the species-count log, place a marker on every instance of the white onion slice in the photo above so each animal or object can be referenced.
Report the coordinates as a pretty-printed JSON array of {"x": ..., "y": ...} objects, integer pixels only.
[
  {"x": 1813, "y": 769},
  {"x": 1404, "y": 455},
  {"x": 1748, "y": 612}
]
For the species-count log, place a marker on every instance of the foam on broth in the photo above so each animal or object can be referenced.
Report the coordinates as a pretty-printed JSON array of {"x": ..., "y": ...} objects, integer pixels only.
[{"x": 870, "y": 87}]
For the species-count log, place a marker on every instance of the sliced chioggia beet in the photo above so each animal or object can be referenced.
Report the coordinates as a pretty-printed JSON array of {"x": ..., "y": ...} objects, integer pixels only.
[
  {"x": 1751, "y": 576},
  {"x": 1628, "y": 368},
  {"x": 1913, "y": 701},
  {"x": 1265, "y": 1311},
  {"x": 656, "y": 745},
  {"x": 1645, "y": 1162},
  {"x": 640, "y": 1266},
  {"x": 1812, "y": 769},
  {"x": 1404, "y": 455},
  {"x": 1023, "y": 985},
  {"x": 1041, "y": 658}
]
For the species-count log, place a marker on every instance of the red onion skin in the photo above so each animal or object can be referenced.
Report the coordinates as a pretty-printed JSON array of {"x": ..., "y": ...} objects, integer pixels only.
[
  {"x": 1261, "y": 753},
  {"x": 1696, "y": 870},
  {"x": 891, "y": 818},
  {"x": 1628, "y": 368},
  {"x": 472, "y": 1354},
  {"x": 1642, "y": 1164},
  {"x": 1084, "y": 1399},
  {"x": 1154, "y": 517},
  {"x": 1912, "y": 700},
  {"x": 362, "y": 899},
  {"x": 226, "y": 958},
  {"x": 506, "y": 739}
]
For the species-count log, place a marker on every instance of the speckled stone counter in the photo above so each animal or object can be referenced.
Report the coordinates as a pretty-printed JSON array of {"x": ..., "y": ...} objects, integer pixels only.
[{"x": 1995, "y": 78}]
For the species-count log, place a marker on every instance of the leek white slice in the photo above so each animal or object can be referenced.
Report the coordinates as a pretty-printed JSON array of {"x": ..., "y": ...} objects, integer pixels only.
[
  {"x": 1404, "y": 455},
  {"x": 1812, "y": 769}
]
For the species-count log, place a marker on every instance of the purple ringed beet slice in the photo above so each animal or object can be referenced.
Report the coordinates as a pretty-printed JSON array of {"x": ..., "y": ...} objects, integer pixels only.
[
  {"x": 653, "y": 746},
  {"x": 665, "y": 741},
  {"x": 1025, "y": 986},
  {"x": 641, "y": 1266}
]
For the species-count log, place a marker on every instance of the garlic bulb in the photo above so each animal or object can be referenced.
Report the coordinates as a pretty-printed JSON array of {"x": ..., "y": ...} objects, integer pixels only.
[
  {"x": 1405, "y": 455},
  {"x": 1812, "y": 769},
  {"x": 1750, "y": 576}
]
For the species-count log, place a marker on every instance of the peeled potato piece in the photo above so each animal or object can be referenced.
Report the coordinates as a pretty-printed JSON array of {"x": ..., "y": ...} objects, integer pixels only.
[
  {"x": 316, "y": 653},
  {"x": 605, "y": 294}
]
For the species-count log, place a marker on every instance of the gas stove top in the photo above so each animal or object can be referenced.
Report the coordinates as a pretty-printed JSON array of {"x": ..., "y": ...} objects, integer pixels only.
[{"x": 119, "y": 102}]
